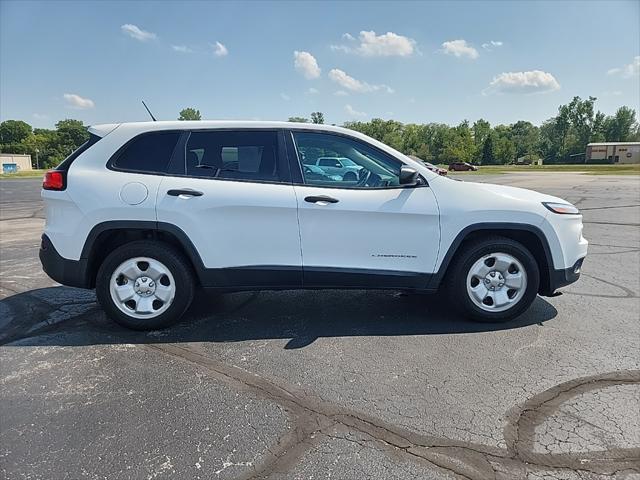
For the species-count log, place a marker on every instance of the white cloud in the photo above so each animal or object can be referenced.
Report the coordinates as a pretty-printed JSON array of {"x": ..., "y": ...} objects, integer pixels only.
[
  {"x": 350, "y": 83},
  {"x": 40, "y": 116},
  {"x": 285, "y": 97},
  {"x": 371, "y": 45},
  {"x": 613, "y": 93},
  {"x": 627, "y": 71},
  {"x": 459, "y": 48},
  {"x": 313, "y": 91},
  {"x": 181, "y": 48},
  {"x": 353, "y": 112},
  {"x": 491, "y": 45},
  {"x": 136, "y": 32},
  {"x": 78, "y": 102},
  {"x": 306, "y": 64},
  {"x": 341, "y": 48},
  {"x": 219, "y": 50},
  {"x": 534, "y": 81},
  {"x": 341, "y": 93}
]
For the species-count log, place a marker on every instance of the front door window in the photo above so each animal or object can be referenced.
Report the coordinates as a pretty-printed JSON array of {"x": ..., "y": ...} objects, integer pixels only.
[{"x": 337, "y": 161}]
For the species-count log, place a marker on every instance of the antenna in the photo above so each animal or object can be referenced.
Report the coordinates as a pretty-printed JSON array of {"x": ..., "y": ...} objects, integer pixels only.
[{"x": 149, "y": 111}]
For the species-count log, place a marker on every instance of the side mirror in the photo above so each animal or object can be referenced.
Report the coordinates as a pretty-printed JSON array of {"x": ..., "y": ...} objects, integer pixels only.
[{"x": 408, "y": 175}]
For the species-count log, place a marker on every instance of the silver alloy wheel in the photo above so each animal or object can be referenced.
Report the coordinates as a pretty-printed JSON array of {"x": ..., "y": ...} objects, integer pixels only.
[
  {"x": 496, "y": 282},
  {"x": 142, "y": 287}
]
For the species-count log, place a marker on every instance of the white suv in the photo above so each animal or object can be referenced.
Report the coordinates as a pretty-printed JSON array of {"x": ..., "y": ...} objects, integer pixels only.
[{"x": 145, "y": 212}]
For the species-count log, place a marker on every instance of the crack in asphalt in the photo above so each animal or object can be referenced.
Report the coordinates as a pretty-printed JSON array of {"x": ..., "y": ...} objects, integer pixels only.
[
  {"x": 311, "y": 415},
  {"x": 608, "y": 207},
  {"x": 612, "y": 223},
  {"x": 628, "y": 293}
]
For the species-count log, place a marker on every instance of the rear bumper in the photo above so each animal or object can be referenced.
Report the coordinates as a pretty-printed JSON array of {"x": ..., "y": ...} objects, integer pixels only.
[
  {"x": 72, "y": 273},
  {"x": 563, "y": 277}
]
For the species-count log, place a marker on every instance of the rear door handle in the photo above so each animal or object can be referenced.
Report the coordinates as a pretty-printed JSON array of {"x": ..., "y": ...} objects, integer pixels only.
[
  {"x": 184, "y": 191},
  {"x": 321, "y": 198}
]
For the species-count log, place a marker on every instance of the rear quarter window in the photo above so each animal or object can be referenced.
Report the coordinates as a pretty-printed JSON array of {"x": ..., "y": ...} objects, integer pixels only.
[
  {"x": 146, "y": 153},
  {"x": 66, "y": 163}
]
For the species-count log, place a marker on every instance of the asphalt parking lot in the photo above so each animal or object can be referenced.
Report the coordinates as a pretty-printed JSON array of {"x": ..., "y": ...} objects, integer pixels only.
[{"x": 334, "y": 384}]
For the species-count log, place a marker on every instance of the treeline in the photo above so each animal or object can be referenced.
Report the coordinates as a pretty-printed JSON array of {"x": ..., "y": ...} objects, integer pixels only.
[
  {"x": 46, "y": 147},
  {"x": 556, "y": 140}
]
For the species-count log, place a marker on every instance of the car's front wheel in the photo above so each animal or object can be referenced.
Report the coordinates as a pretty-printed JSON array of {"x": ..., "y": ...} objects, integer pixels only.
[
  {"x": 145, "y": 285},
  {"x": 493, "y": 279}
]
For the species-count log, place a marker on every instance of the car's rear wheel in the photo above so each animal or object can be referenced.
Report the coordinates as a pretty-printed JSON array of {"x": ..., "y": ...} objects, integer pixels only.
[
  {"x": 493, "y": 279},
  {"x": 145, "y": 285}
]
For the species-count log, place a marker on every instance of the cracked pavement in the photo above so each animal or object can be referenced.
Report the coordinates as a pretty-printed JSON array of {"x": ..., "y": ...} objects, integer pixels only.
[{"x": 334, "y": 384}]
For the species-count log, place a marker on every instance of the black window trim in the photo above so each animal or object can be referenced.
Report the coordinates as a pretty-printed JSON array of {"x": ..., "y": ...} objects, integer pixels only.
[
  {"x": 296, "y": 164},
  {"x": 282, "y": 161},
  {"x": 111, "y": 163}
]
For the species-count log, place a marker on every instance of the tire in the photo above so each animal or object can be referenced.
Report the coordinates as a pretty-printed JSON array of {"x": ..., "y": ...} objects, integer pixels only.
[
  {"x": 160, "y": 293},
  {"x": 506, "y": 263}
]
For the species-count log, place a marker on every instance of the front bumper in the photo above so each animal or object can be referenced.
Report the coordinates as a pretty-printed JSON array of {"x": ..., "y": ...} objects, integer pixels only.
[
  {"x": 562, "y": 278},
  {"x": 72, "y": 273}
]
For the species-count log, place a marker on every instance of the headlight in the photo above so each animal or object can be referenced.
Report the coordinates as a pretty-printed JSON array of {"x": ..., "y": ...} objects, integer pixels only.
[{"x": 562, "y": 208}]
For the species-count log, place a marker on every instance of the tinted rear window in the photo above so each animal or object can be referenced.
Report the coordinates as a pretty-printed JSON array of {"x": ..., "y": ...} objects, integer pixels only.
[
  {"x": 147, "y": 153},
  {"x": 237, "y": 155}
]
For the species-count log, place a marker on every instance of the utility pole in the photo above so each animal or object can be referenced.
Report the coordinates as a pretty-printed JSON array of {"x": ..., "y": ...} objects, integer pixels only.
[{"x": 37, "y": 162}]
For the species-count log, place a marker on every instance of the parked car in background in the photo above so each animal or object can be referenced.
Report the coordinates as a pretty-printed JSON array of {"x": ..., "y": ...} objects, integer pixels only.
[
  {"x": 436, "y": 169},
  {"x": 346, "y": 168},
  {"x": 317, "y": 173},
  {"x": 462, "y": 167},
  {"x": 147, "y": 212},
  {"x": 430, "y": 166}
]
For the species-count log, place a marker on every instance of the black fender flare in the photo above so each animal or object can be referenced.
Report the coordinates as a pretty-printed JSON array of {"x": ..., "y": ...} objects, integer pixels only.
[
  {"x": 495, "y": 227},
  {"x": 176, "y": 232}
]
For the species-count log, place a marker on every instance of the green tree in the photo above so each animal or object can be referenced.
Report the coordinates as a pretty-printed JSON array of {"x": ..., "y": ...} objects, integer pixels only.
[
  {"x": 481, "y": 131},
  {"x": 71, "y": 133},
  {"x": 504, "y": 149},
  {"x": 317, "y": 117},
  {"x": 526, "y": 138},
  {"x": 460, "y": 146},
  {"x": 414, "y": 141},
  {"x": 14, "y": 132},
  {"x": 620, "y": 127},
  {"x": 487, "y": 151},
  {"x": 189, "y": 114},
  {"x": 298, "y": 120}
]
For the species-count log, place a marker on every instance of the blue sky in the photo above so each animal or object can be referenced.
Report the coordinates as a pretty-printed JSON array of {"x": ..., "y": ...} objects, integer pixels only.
[{"x": 414, "y": 61}]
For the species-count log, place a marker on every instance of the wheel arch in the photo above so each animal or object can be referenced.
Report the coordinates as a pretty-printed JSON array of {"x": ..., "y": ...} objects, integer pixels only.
[
  {"x": 106, "y": 236},
  {"x": 530, "y": 236}
]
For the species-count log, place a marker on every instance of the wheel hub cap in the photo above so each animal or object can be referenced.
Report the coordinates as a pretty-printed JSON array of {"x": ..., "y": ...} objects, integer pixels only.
[
  {"x": 145, "y": 286},
  {"x": 496, "y": 282},
  {"x": 142, "y": 287}
]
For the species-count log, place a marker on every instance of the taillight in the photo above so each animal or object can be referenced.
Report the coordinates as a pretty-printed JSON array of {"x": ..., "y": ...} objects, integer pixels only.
[{"x": 54, "y": 180}]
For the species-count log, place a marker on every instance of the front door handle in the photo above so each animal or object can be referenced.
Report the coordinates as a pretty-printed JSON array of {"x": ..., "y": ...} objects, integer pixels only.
[
  {"x": 321, "y": 199},
  {"x": 184, "y": 191}
]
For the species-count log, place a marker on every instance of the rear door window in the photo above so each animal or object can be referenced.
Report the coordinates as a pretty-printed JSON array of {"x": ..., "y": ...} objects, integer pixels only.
[
  {"x": 233, "y": 155},
  {"x": 147, "y": 153}
]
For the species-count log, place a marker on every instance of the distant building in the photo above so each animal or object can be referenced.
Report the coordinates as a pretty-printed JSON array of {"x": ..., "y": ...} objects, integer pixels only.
[
  {"x": 613, "y": 152},
  {"x": 13, "y": 162}
]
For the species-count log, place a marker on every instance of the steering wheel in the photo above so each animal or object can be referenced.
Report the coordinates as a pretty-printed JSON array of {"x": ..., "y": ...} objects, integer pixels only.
[{"x": 364, "y": 177}]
